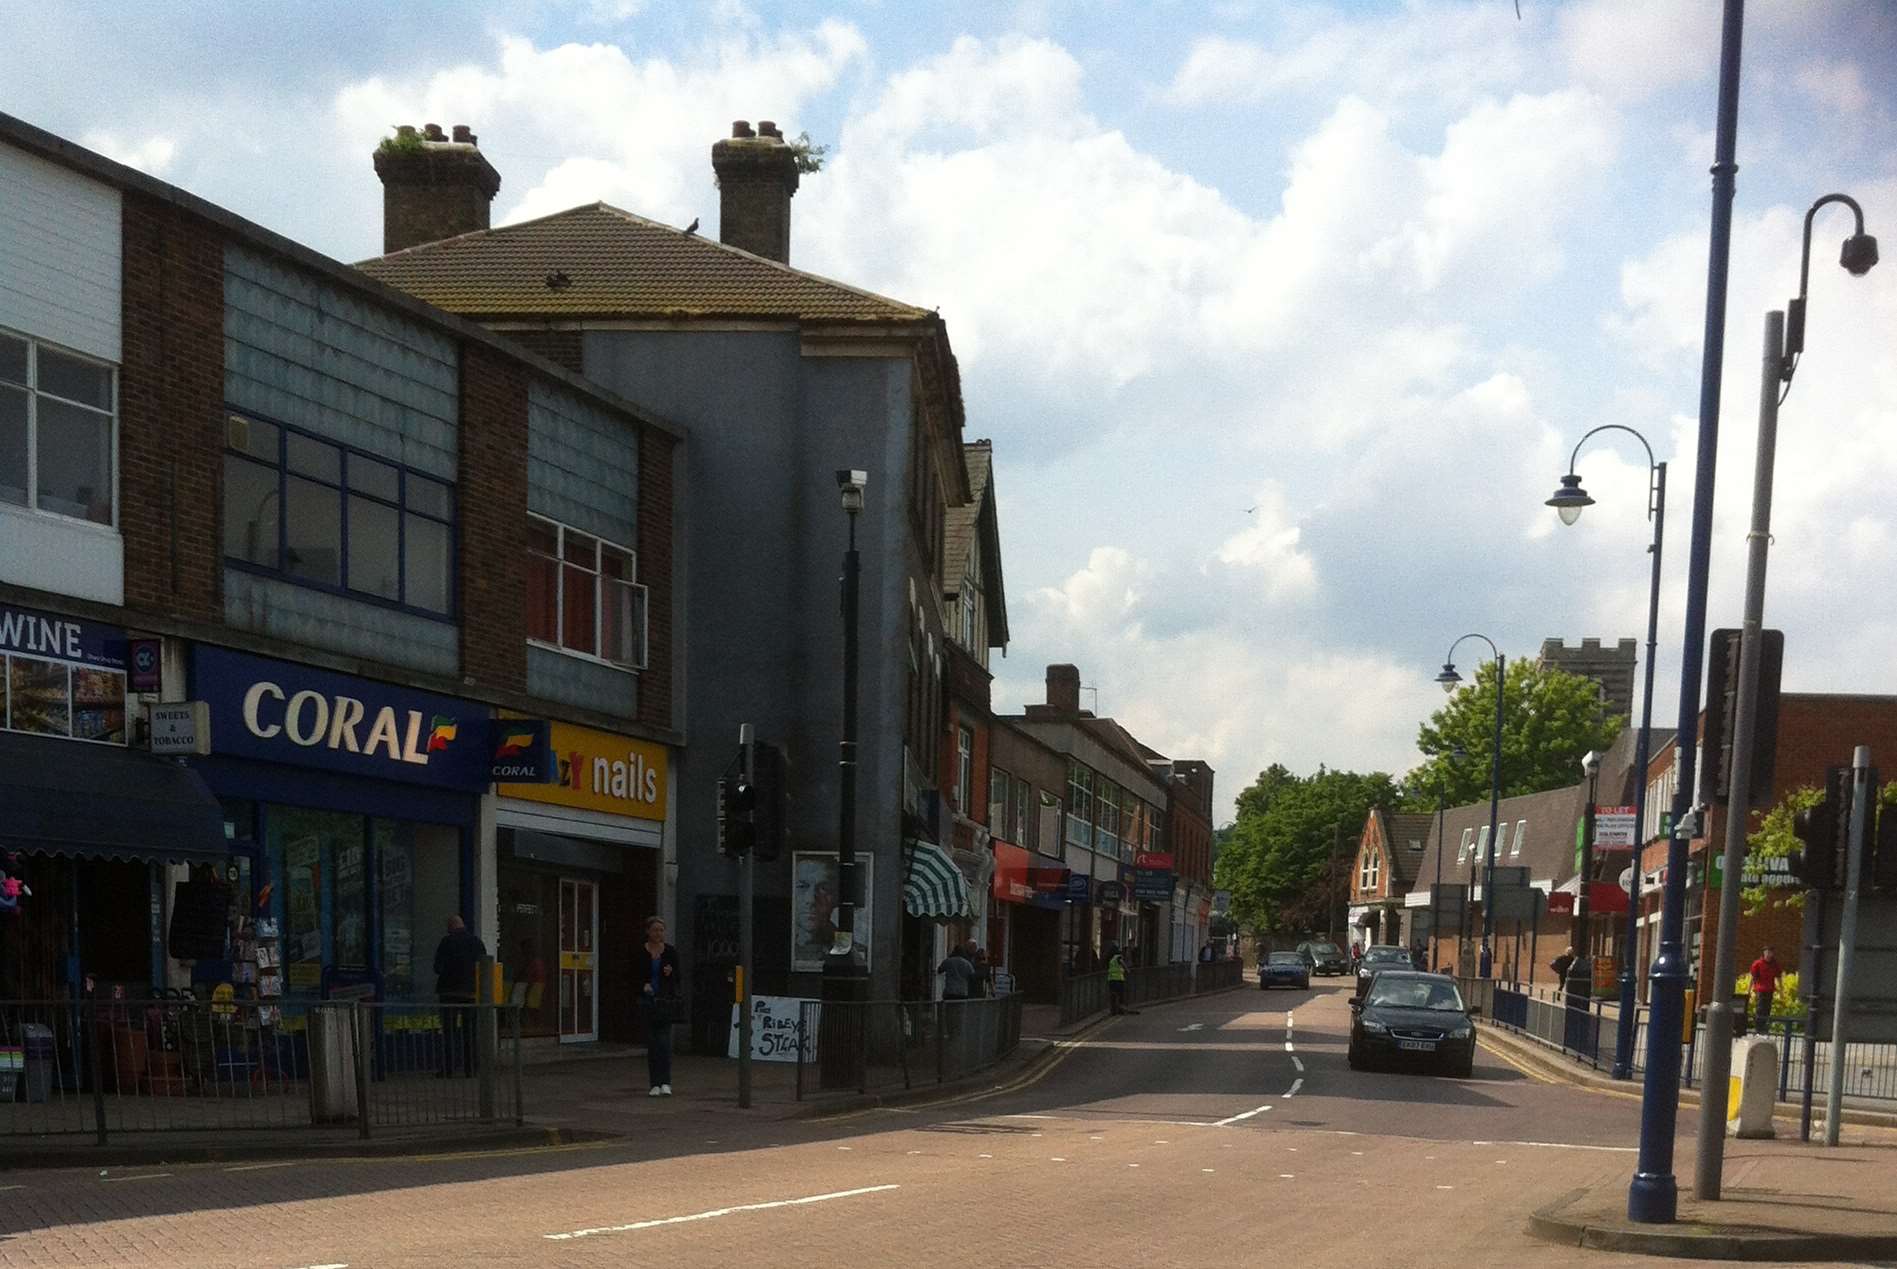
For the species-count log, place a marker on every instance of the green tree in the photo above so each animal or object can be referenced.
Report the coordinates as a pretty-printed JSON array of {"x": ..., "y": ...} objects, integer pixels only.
[
  {"x": 1281, "y": 861},
  {"x": 1550, "y": 719},
  {"x": 1774, "y": 839}
]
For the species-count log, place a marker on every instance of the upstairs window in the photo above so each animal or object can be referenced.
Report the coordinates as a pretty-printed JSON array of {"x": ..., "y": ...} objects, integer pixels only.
[
  {"x": 583, "y": 595},
  {"x": 325, "y": 515},
  {"x": 1462, "y": 851},
  {"x": 58, "y": 431},
  {"x": 1521, "y": 831},
  {"x": 964, "y": 768},
  {"x": 1370, "y": 871}
]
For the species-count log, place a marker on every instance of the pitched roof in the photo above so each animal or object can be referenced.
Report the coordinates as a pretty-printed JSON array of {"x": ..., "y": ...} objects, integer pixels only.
[
  {"x": 604, "y": 262},
  {"x": 1399, "y": 832}
]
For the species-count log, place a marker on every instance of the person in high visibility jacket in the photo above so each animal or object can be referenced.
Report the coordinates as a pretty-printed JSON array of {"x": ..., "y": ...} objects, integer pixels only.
[{"x": 1116, "y": 982}]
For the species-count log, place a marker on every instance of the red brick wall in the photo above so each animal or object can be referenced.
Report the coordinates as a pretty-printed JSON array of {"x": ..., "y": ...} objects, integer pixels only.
[
  {"x": 657, "y": 454},
  {"x": 493, "y": 498},
  {"x": 561, "y": 347},
  {"x": 171, "y": 416}
]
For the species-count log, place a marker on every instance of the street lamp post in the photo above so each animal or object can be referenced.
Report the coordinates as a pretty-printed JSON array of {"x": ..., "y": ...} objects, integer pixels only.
[
  {"x": 1784, "y": 344},
  {"x": 1653, "y": 1194},
  {"x": 1456, "y": 755},
  {"x": 1580, "y": 982},
  {"x": 1568, "y": 501},
  {"x": 1449, "y": 680},
  {"x": 845, "y": 976}
]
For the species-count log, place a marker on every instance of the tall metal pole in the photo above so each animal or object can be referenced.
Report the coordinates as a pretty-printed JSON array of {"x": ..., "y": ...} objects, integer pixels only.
[
  {"x": 1330, "y": 885},
  {"x": 1718, "y": 1068},
  {"x": 845, "y": 976},
  {"x": 1495, "y": 810},
  {"x": 1435, "y": 891},
  {"x": 1653, "y": 1194},
  {"x": 1579, "y": 984},
  {"x": 1629, "y": 970},
  {"x": 1863, "y": 793},
  {"x": 747, "y": 745}
]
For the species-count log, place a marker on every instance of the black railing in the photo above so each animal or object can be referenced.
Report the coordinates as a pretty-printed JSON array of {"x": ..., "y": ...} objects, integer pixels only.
[
  {"x": 1082, "y": 996},
  {"x": 175, "y": 1063},
  {"x": 901, "y": 1043}
]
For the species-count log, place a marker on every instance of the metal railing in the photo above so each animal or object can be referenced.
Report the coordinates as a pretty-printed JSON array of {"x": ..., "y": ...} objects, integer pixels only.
[
  {"x": 175, "y": 1063},
  {"x": 1218, "y": 975},
  {"x": 1082, "y": 995},
  {"x": 856, "y": 1046}
]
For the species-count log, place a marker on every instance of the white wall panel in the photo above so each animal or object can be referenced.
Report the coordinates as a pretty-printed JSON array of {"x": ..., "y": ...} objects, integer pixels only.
[{"x": 59, "y": 255}]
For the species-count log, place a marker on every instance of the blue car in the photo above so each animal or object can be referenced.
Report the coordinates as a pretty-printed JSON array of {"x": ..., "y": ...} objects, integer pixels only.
[{"x": 1285, "y": 969}]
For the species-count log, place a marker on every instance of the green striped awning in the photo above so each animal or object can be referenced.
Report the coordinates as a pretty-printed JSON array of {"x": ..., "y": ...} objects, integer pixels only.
[{"x": 932, "y": 885}]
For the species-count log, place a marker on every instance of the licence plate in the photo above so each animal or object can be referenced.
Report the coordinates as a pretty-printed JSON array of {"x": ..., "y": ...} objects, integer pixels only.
[{"x": 1417, "y": 1046}]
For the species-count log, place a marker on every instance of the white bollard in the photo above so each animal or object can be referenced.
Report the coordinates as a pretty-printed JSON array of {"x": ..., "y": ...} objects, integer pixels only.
[{"x": 1754, "y": 1087}]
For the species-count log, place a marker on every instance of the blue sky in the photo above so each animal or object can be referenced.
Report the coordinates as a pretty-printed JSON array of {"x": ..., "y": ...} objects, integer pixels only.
[{"x": 1365, "y": 269}]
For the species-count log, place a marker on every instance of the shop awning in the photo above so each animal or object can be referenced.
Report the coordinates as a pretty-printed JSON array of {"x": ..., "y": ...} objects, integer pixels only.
[
  {"x": 67, "y": 797},
  {"x": 932, "y": 886}
]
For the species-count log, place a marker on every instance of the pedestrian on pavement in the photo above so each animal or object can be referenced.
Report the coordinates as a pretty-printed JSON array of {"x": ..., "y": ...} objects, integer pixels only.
[
  {"x": 457, "y": 956},
  {"x": 1561, "y": 964},
  {"x": 1205, "y": 954},
  {"x": 1418, "y": 957},
  {"x": 1765, "y": 976},
  {"x": 982, "y": 983},
  {"x": 655, "y": 969},
  {"x": 958, "y": 972},
  {"x": 1116, "y": 982}
]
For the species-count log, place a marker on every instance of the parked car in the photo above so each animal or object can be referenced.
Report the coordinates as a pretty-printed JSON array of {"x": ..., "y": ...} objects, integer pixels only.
[
  {"x": 1285, "y": 969},
  {"x": 1379, "y": 957},
  {"x": 1413, "y": 1019},
  {"x": 1325, "y": 957}
]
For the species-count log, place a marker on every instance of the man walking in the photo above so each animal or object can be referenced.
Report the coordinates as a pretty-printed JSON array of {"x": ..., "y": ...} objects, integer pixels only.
[
  {"x": 1561, "y": 965},
  {"x": 1765, "y": 976},
  {"x": 456, "y": 958}
]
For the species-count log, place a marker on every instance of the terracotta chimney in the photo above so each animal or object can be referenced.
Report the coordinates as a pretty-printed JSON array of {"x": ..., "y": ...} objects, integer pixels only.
[
  {"x": 433, "y": 187},
  {"x": 757, "y": 175}
]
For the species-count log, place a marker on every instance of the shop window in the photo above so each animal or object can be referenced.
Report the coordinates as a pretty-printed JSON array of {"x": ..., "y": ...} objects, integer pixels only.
[
  {"x": 58, "y": 431},
  {"x": 583, "y": 595},
  {"x": 60, "y": 698},
  {"x": 332, "y": 517}
]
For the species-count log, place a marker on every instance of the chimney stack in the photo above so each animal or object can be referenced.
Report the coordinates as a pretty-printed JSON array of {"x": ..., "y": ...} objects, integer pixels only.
[
  {"x": 757, "y": 175},
  {"x": 1063, "y": 688},
  {"x": 433, "y": 187}
]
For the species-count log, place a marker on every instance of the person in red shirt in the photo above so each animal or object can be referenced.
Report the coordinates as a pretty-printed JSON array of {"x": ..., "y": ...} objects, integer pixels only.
[{"x": 1765, "y": 973}]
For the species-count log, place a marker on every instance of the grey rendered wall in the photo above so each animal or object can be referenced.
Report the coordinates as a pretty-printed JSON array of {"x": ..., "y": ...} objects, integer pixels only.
[{"x": 765, "y": 535}]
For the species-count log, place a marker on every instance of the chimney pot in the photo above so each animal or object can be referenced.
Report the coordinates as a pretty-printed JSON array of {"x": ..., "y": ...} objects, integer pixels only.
[
  {"x": 1063, "y": 688},
  {"x": 430, "y": 193},
  {"x": 755, "y": 186},
  {"x": 768, "y": 128},
  {"x": 433, "y": 132},
  {"x": 464, "y": 134},
  {"x": 405, "y": 130},
  {"x": 741, "y": 128}
]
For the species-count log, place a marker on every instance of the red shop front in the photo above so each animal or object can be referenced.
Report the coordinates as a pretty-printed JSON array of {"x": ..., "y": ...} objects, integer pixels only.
[{"x": 1027, "y": 900}]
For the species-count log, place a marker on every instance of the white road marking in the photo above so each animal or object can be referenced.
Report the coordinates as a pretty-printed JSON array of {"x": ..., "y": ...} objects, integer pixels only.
[
  {"x": 721, "y": 1211},
  {"x": 984, "y": 1156},
  {"x": 1287, "y": 1019},
  {"x": 259, "y": 1167},
  {"x": 1031, "y": 1116},
  {"x": 1287, "y": 1176},
  {"x": 1289, "y": 1047},
  {"x": 1295, "y": 1086},
  {"x": 1132, "y": 1165},
  {"x": 339, "y": 1265},
  {"x": 1560, "y": 1145},
  {"x": 1445, "y": 1187},
  {"x": 1257, "y": 1110},
  {"x": 1057, "y": 1159},
  {"x": 143, "y": 1176},
  {"x": 5, "y": 1188},
  {"x": 1209, "y": 1169},
  {"x": 1299, "y": 1063},
  {"x": 1197, "y": 1026}
]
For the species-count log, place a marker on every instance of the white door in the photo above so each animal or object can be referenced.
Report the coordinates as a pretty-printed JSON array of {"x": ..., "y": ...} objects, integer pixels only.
[{"x": 579, "y": 965}]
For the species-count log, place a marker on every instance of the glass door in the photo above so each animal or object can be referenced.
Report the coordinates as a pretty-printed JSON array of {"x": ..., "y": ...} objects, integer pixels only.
[{"x": 579, "y": 969}]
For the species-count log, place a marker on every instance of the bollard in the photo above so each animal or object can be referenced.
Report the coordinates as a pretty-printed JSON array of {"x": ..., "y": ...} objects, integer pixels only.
[{"x": 1751, "y": 1088}]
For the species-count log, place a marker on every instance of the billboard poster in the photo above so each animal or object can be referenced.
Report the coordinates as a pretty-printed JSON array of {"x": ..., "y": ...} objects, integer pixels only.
[{"x": 813, "y": 909}]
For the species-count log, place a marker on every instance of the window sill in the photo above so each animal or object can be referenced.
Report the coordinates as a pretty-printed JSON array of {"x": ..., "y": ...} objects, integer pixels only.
[
  {"x": 76, "y": 523},
  {"x": 587, "y": 657},
  {"x": 339, "y": 592}
]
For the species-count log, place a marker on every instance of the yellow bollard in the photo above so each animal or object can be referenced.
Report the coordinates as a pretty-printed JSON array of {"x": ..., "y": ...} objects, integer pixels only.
[{"x": 1688, "y": 1021}]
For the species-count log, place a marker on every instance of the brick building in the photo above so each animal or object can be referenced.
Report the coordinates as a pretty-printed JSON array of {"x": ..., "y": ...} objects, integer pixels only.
[
  {"x": 1389, "y": 851},
  {"x": 373, "y": 540}
]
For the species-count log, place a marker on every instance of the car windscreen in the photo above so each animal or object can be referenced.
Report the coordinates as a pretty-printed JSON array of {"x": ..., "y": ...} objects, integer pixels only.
[
  {"x": 1287, "y": 958},
  {"x": 1386, "y": 956},
  {"x": 1415, "y": 993},
  {"x": 1326, "y": 949}
]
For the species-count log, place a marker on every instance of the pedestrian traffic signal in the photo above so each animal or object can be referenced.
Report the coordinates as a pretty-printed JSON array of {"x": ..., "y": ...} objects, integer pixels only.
[
  {"x": 1722, "y": 714},
  {"x": 737, "y": 803},
  {"x": 1816, "y": 827}
]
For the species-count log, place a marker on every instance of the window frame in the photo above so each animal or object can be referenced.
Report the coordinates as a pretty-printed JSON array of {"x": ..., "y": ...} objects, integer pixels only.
[
  {"x": 1521, "y": 831},
  {"x": 1369, "y": 871},
  {"x": 964, "y": 766},
  {"x": 559, "y": 561},
  {"x": 33, "y": 393},
  {"x": 345, "y": 492},
  {"x": 1462, "y": 847}
]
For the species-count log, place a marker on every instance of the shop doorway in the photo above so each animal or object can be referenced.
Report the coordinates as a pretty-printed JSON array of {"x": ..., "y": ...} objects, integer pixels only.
[{"x": 579, "y": 962}]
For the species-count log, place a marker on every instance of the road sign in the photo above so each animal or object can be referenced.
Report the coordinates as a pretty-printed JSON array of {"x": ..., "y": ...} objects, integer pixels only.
[{"x": 1614, "y": 826}]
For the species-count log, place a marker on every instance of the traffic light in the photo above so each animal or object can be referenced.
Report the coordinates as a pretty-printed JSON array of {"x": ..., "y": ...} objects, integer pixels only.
[
  {"x": 1817, "y": 826},
  {"x": 770, "y": 817},
  {"x": 737, "y": 804},
  {"x": 1722, "y": 708}
]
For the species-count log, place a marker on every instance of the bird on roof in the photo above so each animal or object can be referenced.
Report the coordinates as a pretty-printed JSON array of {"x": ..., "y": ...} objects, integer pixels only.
[
  {"x": 558, "y": 281},
  {"x": 693, "y": 227}
]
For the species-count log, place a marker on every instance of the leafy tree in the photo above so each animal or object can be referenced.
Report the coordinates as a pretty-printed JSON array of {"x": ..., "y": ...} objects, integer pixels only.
[
  {"x": 1550, "y": 719},
  {"x": 1774, "y": 839},
  {"x": 1281, "y": 862},
  {"x": 809, "y": 153}
]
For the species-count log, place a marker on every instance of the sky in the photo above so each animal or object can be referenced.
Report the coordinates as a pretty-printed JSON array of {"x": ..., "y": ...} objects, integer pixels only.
[{"x": 1283, "y": 317}]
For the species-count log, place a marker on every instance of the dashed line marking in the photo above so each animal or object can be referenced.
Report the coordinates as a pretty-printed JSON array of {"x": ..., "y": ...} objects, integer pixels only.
[
  {"x": 1295, "y": 1086},
  {"x": 1243, "y": 1115},
  {"x": 1287, "y": 1176},
  {"x": 1289, "y": 1047},
  {"x": 142, "y": 1176},
  {"x": 1195, "y": 1026},
  {"x": 1299, "y": 1063},
  {"x": 719, "y": 1211}
]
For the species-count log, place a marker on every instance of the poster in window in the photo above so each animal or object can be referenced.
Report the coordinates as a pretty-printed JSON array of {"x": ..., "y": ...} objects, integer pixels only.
[
  {"x": 98, "y": 705},
  {"x": 397, "y": 866},
  {"x": 37, "y": 693},
  {"x": 352, "y": 905},
  {"x": 304, "y": 944},
  {"x": 813, "y": 909}
]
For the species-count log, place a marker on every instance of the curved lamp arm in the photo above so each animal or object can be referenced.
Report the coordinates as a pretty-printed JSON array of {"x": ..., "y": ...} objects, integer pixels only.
[
  {"x": 1804, "y": 260},
  {"x": 1450, "y": 656},
  {"x": 1653, "y": 464}
]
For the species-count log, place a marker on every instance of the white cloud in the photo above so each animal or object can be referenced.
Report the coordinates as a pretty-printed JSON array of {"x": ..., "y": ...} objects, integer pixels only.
[
  {"x": 1267, "y": 551},
  {"x": 151, "y": 154},
  {"x": 1835, "y": 85}
]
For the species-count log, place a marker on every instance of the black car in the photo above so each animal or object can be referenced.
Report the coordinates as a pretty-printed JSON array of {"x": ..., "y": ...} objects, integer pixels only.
[
  {"x": 1411, "y": 1018},
  {"x": 1285, "y": 969},
  {"x": 1324, "y": 958},
  {"x": 1380, "y": 957}
]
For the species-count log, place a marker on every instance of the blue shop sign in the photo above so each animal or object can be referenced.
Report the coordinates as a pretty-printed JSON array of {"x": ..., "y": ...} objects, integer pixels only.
[
  {"x": 1079, "y": 888},
  {"x": 57, "y": 638},
  {"x": 301, "y": 716},
  {"x": 1151, "y": 885}
]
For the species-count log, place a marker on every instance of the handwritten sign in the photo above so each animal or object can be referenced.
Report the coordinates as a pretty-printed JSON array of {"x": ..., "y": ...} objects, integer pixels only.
[{"x": 775, "y": 1021}]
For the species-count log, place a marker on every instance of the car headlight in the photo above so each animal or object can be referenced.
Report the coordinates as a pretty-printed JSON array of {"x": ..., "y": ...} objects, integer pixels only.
[
  {"x": 1461, "y": 1031},
  {"x": 1374, "y": 1027}
]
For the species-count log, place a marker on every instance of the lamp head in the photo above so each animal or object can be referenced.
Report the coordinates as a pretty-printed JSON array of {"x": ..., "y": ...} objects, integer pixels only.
[
  {"x": 1570, "y": 499},
  {"x": 851, "y": 483},
  {"x": 1859, "y": 254},
  {"x": 1449, "y": 680},
  {"x": 1591, "y": 764}
]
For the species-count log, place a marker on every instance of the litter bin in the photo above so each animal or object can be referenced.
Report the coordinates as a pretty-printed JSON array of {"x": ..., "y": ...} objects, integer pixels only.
[
  {"x": 333, "y": 1063},
  {"x": 37, "y": 1039}
]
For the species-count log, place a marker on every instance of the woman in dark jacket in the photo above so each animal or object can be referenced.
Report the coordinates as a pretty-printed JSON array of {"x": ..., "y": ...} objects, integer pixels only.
[{"x": 655, "y": 969}]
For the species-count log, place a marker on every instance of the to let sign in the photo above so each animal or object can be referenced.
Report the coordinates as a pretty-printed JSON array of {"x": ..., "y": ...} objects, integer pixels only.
[{"x": 1614, "y": 826}]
